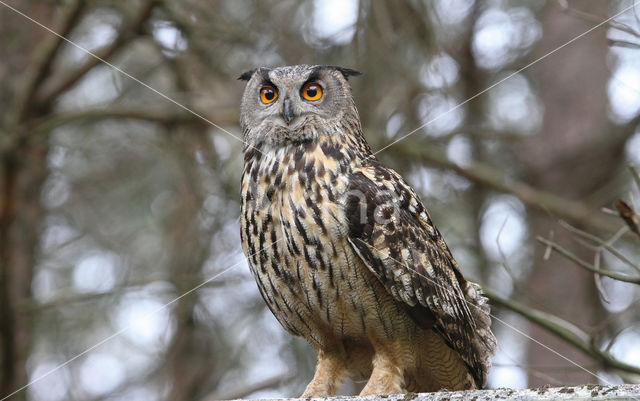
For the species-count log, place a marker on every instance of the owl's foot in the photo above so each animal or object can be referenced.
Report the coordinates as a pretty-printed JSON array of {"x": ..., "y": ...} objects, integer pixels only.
[
  {"x": 329, "y": 376},
  {"x": 386, "y": 377}
]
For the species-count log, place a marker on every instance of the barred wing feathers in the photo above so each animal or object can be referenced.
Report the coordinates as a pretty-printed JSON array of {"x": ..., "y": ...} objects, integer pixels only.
[{"x": 392, "y": 232}]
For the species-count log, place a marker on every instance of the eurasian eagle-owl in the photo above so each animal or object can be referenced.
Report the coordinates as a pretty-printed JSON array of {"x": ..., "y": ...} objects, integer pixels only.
[{"x": 343, "y": 250}]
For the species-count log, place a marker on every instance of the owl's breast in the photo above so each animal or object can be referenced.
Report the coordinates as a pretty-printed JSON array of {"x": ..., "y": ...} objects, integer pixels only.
[
  {"x": 298, "y": 191},
  {"x": 294, "y": 233}
]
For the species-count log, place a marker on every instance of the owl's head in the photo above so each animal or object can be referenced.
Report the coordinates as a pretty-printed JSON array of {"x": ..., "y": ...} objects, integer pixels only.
[{"x": 295, "y": 104}]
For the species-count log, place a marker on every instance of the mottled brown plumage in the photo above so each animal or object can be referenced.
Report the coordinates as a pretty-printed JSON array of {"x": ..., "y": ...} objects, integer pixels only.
[{"x": 343, "y": 250}]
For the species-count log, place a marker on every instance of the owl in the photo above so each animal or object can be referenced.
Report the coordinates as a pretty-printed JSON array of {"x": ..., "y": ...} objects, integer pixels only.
[{"x": 343, "y": 251}]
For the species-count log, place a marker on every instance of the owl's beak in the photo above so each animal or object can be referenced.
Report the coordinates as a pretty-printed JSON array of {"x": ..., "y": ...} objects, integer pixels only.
[{"x": 287, "y": 111}]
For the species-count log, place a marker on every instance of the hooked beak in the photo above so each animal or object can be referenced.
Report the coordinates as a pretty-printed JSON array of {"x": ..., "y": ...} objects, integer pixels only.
[{"x": 287, "y": 111}]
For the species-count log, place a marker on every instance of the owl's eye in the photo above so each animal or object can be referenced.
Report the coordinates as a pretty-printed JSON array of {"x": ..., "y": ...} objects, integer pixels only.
[
  {"x": 268, "y": 94},
  {"x": 312, "y": 91}
]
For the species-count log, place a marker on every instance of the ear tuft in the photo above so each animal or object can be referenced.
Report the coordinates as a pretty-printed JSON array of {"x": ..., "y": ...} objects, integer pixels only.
[
  {"x": 346, "y": 72},
  {"x": 245, "y": 76}
]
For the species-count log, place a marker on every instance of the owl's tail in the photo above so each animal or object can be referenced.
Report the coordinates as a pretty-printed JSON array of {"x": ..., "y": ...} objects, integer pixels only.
[{"x": 484, "y": 342}]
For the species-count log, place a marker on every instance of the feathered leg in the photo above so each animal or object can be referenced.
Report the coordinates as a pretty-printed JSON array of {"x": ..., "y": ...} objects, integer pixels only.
[
  {"x": 329, "y": 376},
  {"x": 386, "y": 378}
]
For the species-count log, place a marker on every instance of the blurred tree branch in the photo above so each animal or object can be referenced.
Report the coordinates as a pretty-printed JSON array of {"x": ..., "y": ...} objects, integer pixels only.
[
  {"x": 244, "y": 389},
  {"x": 164, "y": 117},
  {"x": 587, "y": 16},
  {"x": 635, "y": 174},
  {"x": 41, "y": 128},
  {"x": 125, "y": 35},
  {"x": 586, "y": 265},
  {"x": 623, "y": 43},
  {"x": 602, "y": 244},
  {"x": 42, "y": 59},
  {"x": 564, "y": 330},
  {"x": 61, "y": 300},
  {"x": 488, "y": 176},
  {"x": 588, "y": 343}
]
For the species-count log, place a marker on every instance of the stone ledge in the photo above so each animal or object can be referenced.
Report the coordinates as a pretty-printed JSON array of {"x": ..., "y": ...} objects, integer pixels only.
[{"x": 587, "y": 392}]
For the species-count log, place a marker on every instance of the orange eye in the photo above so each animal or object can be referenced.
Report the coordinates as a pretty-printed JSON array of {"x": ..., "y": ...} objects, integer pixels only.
[
  {"x": 268, "y": 94},
  {"x": 312, "y": 91}
]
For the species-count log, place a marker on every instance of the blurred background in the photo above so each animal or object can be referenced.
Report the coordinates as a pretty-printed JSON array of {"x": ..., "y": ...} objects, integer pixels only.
[{"x": 120, "y": 254}]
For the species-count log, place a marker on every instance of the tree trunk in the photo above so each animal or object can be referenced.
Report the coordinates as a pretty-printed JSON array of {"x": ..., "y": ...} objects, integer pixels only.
[
  {"x": 22, "y": 175},
  {"x": 189, "y": 363}
]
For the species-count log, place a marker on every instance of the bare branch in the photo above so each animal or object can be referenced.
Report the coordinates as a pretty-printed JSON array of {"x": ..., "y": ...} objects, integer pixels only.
[
  {"x": 598, "y": 278},
  {"x": 601, "y": 243},
  {"x": 623, "y": 43},
  {"x": 569, "y": 255},
  {"x": 635, "y": 174}
]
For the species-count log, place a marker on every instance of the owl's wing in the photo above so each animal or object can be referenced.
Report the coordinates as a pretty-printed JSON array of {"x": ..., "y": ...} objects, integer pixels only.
[{"x": 393, "y": 234}]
